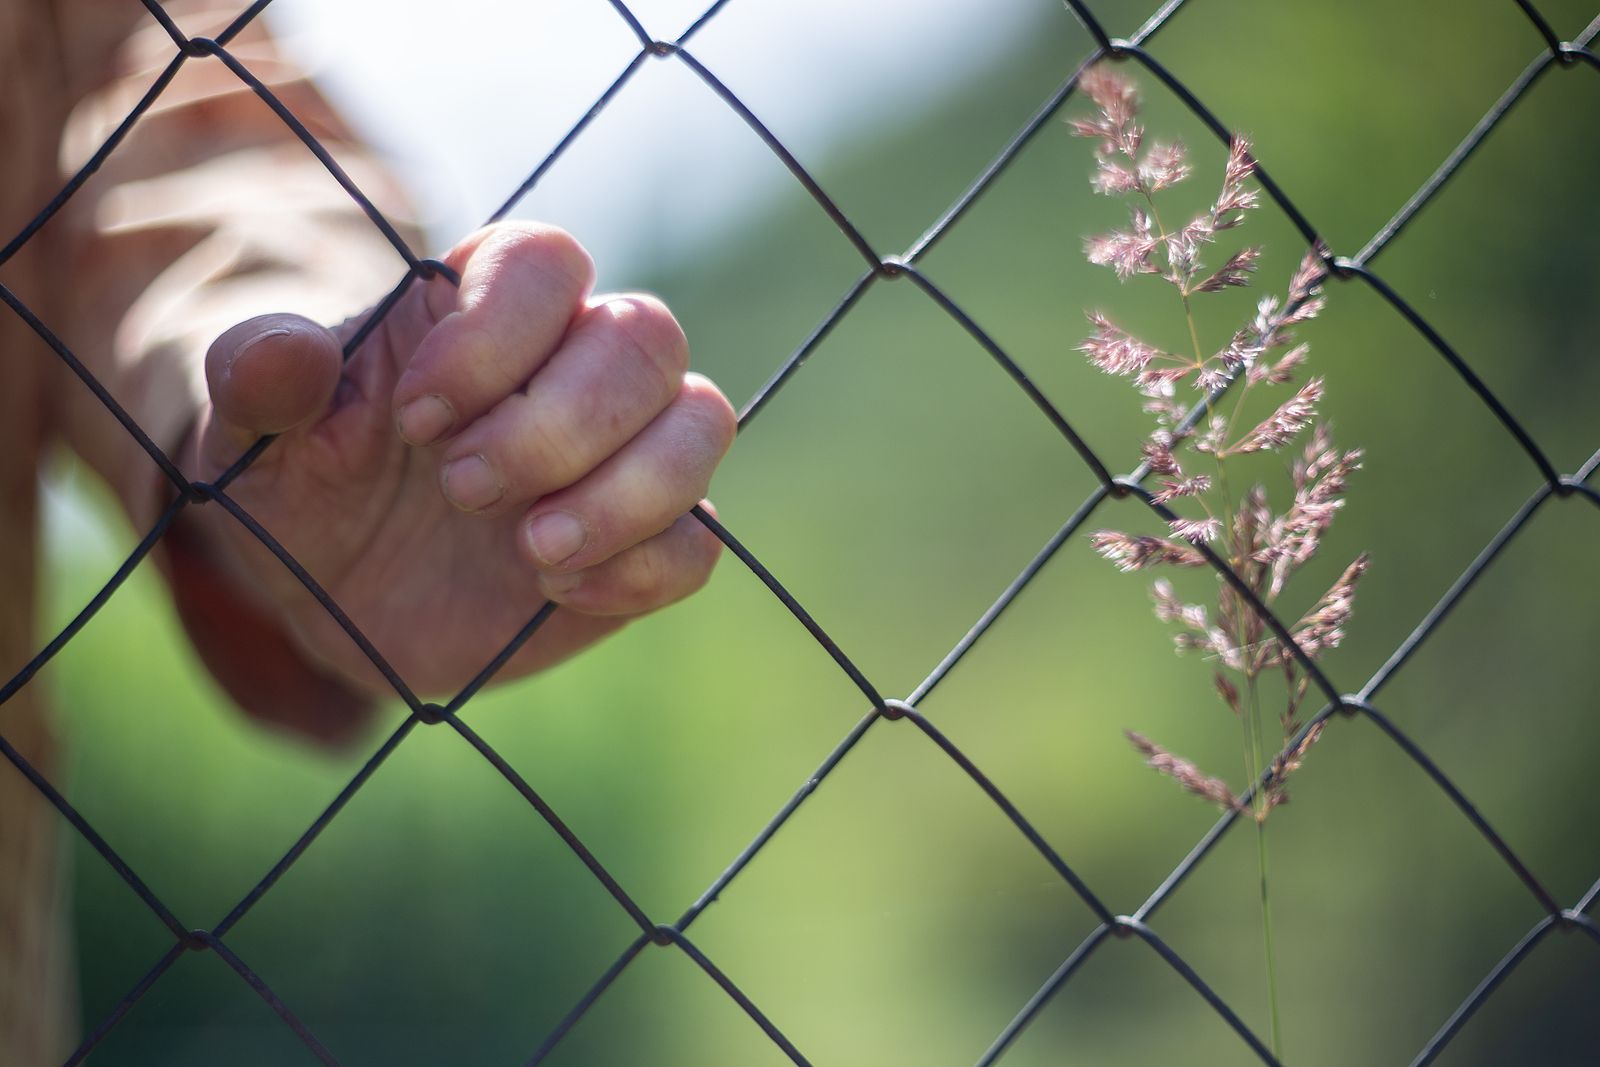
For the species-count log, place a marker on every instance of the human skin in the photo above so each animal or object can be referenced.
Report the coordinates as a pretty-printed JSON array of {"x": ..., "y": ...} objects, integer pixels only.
[{"x": 484, "y": 450}]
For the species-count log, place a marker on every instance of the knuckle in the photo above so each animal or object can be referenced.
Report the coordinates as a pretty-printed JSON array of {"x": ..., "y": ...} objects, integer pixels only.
[
  {"x": 554, "y": 248},
  {"x": 651, "y": 334},
  {"x": 652, "y": 574},
  {"x": 715, "y": 420},
  {"x": 687, "y": 565},
  {"x": 553, "y": 451},
  {"x": 537, "y": 251},
  {"x": 448, "y": 360},
  {"x": 707, "y": 550},
  {"x": 560, "y": 251},
  {"x": 673, "y": 565},
  {"x": 650, "y": 578},
  {"x": 474, "y": 352},
  {"x": 532, "y": 452}
]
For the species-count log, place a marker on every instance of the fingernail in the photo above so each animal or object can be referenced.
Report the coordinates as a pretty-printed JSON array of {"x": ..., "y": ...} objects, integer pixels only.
[
  {"x": 239, "y": 353},
  {"x": 470, "y": 484},
  {"x": 555, "y": 536},
  {"x": 557, "y": 586},
  {"x": 424, "y": 419}
]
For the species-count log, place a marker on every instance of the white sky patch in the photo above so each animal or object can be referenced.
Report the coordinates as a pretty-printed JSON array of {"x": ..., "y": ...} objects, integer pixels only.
[{"x": 467, "y": 98}]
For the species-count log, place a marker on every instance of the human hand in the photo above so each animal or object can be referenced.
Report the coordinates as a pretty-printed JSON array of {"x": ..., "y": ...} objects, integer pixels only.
[{"x": 483, "y": 450}]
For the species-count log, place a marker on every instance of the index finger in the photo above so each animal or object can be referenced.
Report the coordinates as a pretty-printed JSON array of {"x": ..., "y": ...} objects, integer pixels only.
[{"x": 521, "y": 286}]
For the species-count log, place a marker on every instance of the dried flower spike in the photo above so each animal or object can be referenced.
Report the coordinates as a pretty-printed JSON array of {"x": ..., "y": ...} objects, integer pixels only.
[
  {"x": 1184, "y": 773},
  {"x": 1194, "y": 453}
]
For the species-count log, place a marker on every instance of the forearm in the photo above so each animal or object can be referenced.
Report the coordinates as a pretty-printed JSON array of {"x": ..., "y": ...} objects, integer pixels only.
[{"x": 210, "y": 212}]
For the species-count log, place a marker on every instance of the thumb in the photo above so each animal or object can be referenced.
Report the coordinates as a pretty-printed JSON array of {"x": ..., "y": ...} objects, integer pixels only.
[{"x": 267, "y": 375}]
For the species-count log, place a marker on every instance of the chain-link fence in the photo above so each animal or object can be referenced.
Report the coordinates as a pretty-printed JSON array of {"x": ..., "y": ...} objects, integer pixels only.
[{"x": 1551, "y": 487}]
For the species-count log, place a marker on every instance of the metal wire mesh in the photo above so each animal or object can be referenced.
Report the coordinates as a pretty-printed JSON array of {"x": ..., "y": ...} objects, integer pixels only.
[{"x": 1552, "y": 485}]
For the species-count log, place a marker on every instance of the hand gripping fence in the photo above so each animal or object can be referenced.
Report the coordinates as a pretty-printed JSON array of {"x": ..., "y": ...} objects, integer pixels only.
[{"x": 1551, "y": 484}]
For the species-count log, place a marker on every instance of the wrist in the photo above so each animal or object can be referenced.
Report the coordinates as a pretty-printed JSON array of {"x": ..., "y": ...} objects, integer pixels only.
[{"x": 243, "y": 639}]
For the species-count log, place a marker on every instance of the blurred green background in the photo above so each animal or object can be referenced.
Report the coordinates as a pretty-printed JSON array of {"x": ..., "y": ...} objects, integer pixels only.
[{"x": 895, "y": 486}]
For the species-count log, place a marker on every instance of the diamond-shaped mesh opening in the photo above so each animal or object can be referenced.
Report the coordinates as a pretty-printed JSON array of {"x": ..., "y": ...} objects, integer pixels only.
[
  {"x": 199, "y": 1012},
  {"x": 855, "y": 906}
]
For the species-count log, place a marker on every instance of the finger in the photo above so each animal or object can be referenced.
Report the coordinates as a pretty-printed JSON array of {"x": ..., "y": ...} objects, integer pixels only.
[
  {"x": 650, "y": 575},
  {"x": 622, "y": 363},
  {"x": 640, "y": 491},
  {"x": 267, "y": 375},
  {"x": 521, "y": 286}
]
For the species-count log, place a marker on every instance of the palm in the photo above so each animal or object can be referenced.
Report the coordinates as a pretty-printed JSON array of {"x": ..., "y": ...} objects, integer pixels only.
[{"x": 436, "y": 591}]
